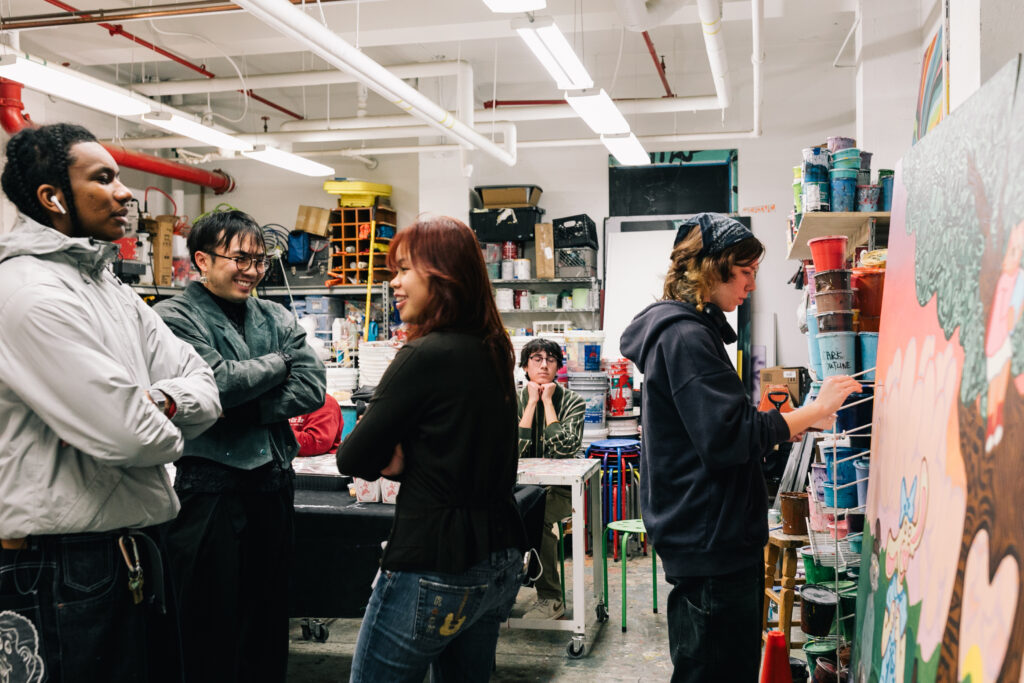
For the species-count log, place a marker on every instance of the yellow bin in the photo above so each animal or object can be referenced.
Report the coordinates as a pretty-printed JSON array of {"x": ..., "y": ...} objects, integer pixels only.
[{"x": 356, "y": 192}]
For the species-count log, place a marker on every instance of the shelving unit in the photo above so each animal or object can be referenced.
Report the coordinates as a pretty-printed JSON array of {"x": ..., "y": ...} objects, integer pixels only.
[
  {"x": 519, "y": 317},
  {"x": 354, "y": 290},
  {"x": 356, "y": 239},
  {"x": 870, "y": 228}
]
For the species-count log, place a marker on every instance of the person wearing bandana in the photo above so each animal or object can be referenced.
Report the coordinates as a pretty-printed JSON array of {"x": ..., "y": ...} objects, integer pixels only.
[{"x": 703, "y": 496}]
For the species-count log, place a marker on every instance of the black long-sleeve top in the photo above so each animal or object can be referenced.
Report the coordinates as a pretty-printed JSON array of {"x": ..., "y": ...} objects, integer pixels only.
[{"x": 442, "y": 400}]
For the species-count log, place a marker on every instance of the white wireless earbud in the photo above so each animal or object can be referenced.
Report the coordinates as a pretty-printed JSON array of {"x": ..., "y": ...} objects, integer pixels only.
[{"x": 56, "y": 202}]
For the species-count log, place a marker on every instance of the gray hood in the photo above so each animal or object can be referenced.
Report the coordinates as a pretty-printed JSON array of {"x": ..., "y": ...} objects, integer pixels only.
[{"x": 30, "y": 238}]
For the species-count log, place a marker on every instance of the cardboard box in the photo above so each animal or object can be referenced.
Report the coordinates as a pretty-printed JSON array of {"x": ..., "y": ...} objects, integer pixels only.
[
  {"x": 314, "y": 220},
  {"x": 509, "y": 196},
  {"x": 545, "y": 236},
  {"x": 163, "y": 251},
  {"x": 795, "y": 379}
]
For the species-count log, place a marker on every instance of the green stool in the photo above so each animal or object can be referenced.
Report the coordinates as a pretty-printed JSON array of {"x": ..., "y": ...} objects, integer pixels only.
[{"x": 626, "y": 527}]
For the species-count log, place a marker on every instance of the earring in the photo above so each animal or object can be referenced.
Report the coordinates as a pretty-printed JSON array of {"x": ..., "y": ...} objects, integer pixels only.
[{"x": 202, "y": 278}]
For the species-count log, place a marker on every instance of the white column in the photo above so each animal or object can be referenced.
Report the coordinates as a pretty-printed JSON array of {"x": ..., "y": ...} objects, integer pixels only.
[
  {"x": 964, "y": 50},
  {"x": 889, "y": 57}
]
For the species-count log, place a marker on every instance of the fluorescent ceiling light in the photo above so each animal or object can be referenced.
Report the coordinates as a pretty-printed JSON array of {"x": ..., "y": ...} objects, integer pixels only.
[
  {"x": 69, "y": 85},
  {"x": 542, "y": 36},
  {"x": 626, "y": 149},
  {"x": 510, "y": 6},
  {"x": 193, "y": 129},
  {"x": 288, "y": 161},
  {"x": 599, "y": 112}
]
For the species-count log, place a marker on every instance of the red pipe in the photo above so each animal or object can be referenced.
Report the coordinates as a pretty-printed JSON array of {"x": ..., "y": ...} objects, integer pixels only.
[
  {"x": 657, "y": 64},
  {"x": 13, "y": 119},
  {"x": 117, "y": 29}
]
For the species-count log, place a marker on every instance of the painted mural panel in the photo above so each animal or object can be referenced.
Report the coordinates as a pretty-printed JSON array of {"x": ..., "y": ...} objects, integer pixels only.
[{"x": 942, "y": 594}]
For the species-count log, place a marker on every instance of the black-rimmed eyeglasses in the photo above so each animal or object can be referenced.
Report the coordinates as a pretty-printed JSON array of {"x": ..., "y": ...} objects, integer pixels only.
[
  {"x": 537, "y": 358},
  {"x": 242, "y": 263}
]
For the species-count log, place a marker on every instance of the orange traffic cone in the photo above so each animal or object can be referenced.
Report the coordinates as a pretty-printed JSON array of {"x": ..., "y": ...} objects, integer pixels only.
[{"x": 775, "y": 667}]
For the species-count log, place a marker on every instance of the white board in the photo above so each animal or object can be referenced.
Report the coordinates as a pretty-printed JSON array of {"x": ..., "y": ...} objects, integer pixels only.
[{"x": 634, "y": 279}]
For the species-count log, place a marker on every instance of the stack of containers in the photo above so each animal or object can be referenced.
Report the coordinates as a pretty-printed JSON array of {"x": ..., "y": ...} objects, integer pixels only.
[
  {"x": 815, "y": 170},
  {"x": 831, "y": 320},
  {"x": 846, "y": 162},
  {"x": 837, "y": 177}
]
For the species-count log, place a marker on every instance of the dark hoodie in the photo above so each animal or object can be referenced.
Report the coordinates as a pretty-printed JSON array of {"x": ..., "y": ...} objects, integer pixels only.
[{"x": 703, "y": 496}]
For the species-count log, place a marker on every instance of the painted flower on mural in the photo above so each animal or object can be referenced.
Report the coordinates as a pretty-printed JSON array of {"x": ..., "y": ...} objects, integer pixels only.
[
  {"x": 921, "y": 390},
  {"x": 988, "y": 610}
]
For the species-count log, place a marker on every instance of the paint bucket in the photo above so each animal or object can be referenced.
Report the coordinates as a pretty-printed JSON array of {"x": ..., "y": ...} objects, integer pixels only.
[
  {"x": 829, "y": 253},
  {"x": 809, "y": 280},
  {"x": 834, "y": 300},
  {"x": 870, "y": 285},
  {"x": 837, "y": 143},
  {"x": 863, "y": 177},
  {"x": 836, "y": 321},
  {"x": 838, "y": 529},
  {"x": 817, "y": 609},
  {"x": 522, "y": 269},
  {"x": 826, "y": 672},
  {"x": 865, "y": 160},
  {"x": 798, "y": 670},
  {"x": 867, "y": 343},
  {"x": 504, "y": 299},
  {"x": 510, "y": 250},
  {"x": 620, "y": 397},
  {"x": 885, "y": 195},
  {"x": 593, "y": 389},
  {"x": 816, "y": 195},
  {"x": 798, "y": 196},
  {"x": 583, "y": 350},
  {"x": 813, "y": 354},
  {"x": 847, "y": 165},
  {"x": 521, "y": 299},
  {"x": 869, "y": 323},
  {"x": 831, "y": 280},
  {"x": 867, "y": 197},
  {"x": 348, "y": 416},
  {"x": 818, "y": 649},
  {"x": 508, "y": 269},
  {"x": 862, "y": 468},
  {"x": 494, "y": 271},
  {"x": 837, "y": 461},
  {"x": 844, "y": 190},
  {"x": 794, "y": 513},
  {"x": 580, "y": 298},
  {"x": 838, "y": 352},
  {"x": 817, "y": 519},
  {"x": 848, "y": 605},
  {"x": 819, "y": 475},
  {"x": 816, "y": 164},
  {"x": 856, "y": 416},
  {"x": 846, "y": 153},
  {"x": 856, "y": 544},
  {"x": 814, "y": 572}
]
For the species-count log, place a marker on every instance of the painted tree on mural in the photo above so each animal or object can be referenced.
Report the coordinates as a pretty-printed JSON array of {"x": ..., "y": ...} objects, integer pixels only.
[{"x": 963, "y": 207}]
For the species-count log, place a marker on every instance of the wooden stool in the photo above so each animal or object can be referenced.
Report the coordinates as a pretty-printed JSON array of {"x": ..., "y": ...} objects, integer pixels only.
[{"x": 788, "y": 545}]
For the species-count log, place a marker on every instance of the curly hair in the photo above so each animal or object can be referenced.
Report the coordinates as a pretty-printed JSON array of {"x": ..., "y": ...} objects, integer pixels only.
[
  {"x": 41, "y": 156},
  {"x": 692, "y": 277}
]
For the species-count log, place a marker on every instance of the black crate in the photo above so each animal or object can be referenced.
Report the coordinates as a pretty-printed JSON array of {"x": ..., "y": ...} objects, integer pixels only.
[
  {"x": 575, "y": 231},
  {"x": 500, "y": 225}
]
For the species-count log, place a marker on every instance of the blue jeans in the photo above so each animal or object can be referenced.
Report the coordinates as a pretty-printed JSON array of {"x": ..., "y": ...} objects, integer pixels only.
[
  {"x": 445, "y": 622},
  {"x": 714, "y": 626},
  {"x": 66, "y": 615}
]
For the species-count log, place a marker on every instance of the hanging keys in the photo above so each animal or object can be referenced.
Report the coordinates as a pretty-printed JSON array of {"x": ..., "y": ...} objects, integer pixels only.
[{"x": 134, "y": 568}]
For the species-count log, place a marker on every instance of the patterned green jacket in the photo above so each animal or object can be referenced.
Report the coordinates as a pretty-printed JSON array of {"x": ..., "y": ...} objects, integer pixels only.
[{"x": 559, "y": 439}]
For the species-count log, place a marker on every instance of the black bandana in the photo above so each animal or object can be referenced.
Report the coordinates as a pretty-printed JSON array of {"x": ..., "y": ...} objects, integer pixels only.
[{"x": 717, "y": 232}]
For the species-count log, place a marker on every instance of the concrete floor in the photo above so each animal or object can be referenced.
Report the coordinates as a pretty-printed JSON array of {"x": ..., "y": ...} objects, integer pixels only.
[{"x": 640, "y": 654}]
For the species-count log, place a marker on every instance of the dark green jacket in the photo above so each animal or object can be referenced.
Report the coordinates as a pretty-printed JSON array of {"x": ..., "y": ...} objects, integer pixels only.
[{"x": 256, "y": 392}]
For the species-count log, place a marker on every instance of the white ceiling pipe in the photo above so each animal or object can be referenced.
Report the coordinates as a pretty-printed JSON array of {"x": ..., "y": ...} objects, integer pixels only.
[
  {"x": 638, "y": 15},
  {"x": 291, "y": 21},
  {"x": 505, "y": 128},
  {"x": 710, "y": 12},
  {"x": 757, "y": 61},
  {"x": 545, "y": 112},
  {"x": 295, "y": 79}
]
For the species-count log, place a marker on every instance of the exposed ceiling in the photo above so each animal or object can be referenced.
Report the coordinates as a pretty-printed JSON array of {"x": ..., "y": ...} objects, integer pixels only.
[{"x": 796, "y": 33}]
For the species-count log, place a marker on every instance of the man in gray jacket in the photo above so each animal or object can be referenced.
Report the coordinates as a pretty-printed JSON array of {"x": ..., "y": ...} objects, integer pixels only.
[
  {"x": 230, "y": 546},
  {"x": 96, "y": 395}
]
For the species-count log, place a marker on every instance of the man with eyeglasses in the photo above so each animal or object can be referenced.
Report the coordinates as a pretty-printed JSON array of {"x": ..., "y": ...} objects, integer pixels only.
[
  {"x": 550, "y": 426},
  {"x": 230, "y": 545}
]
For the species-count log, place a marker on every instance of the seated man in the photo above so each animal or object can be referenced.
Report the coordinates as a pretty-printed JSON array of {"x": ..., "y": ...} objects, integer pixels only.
[
  {"x": 319, "y": 432},
  {"x": 553, "y": 432}
]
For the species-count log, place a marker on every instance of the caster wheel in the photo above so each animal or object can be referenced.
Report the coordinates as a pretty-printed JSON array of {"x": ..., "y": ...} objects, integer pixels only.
[
  {"x": 320, "y": 633},
  {"x": 307, "y": 632},
  {"x": 602, "y": 612},
  {"x": 575, "y": 648}
]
